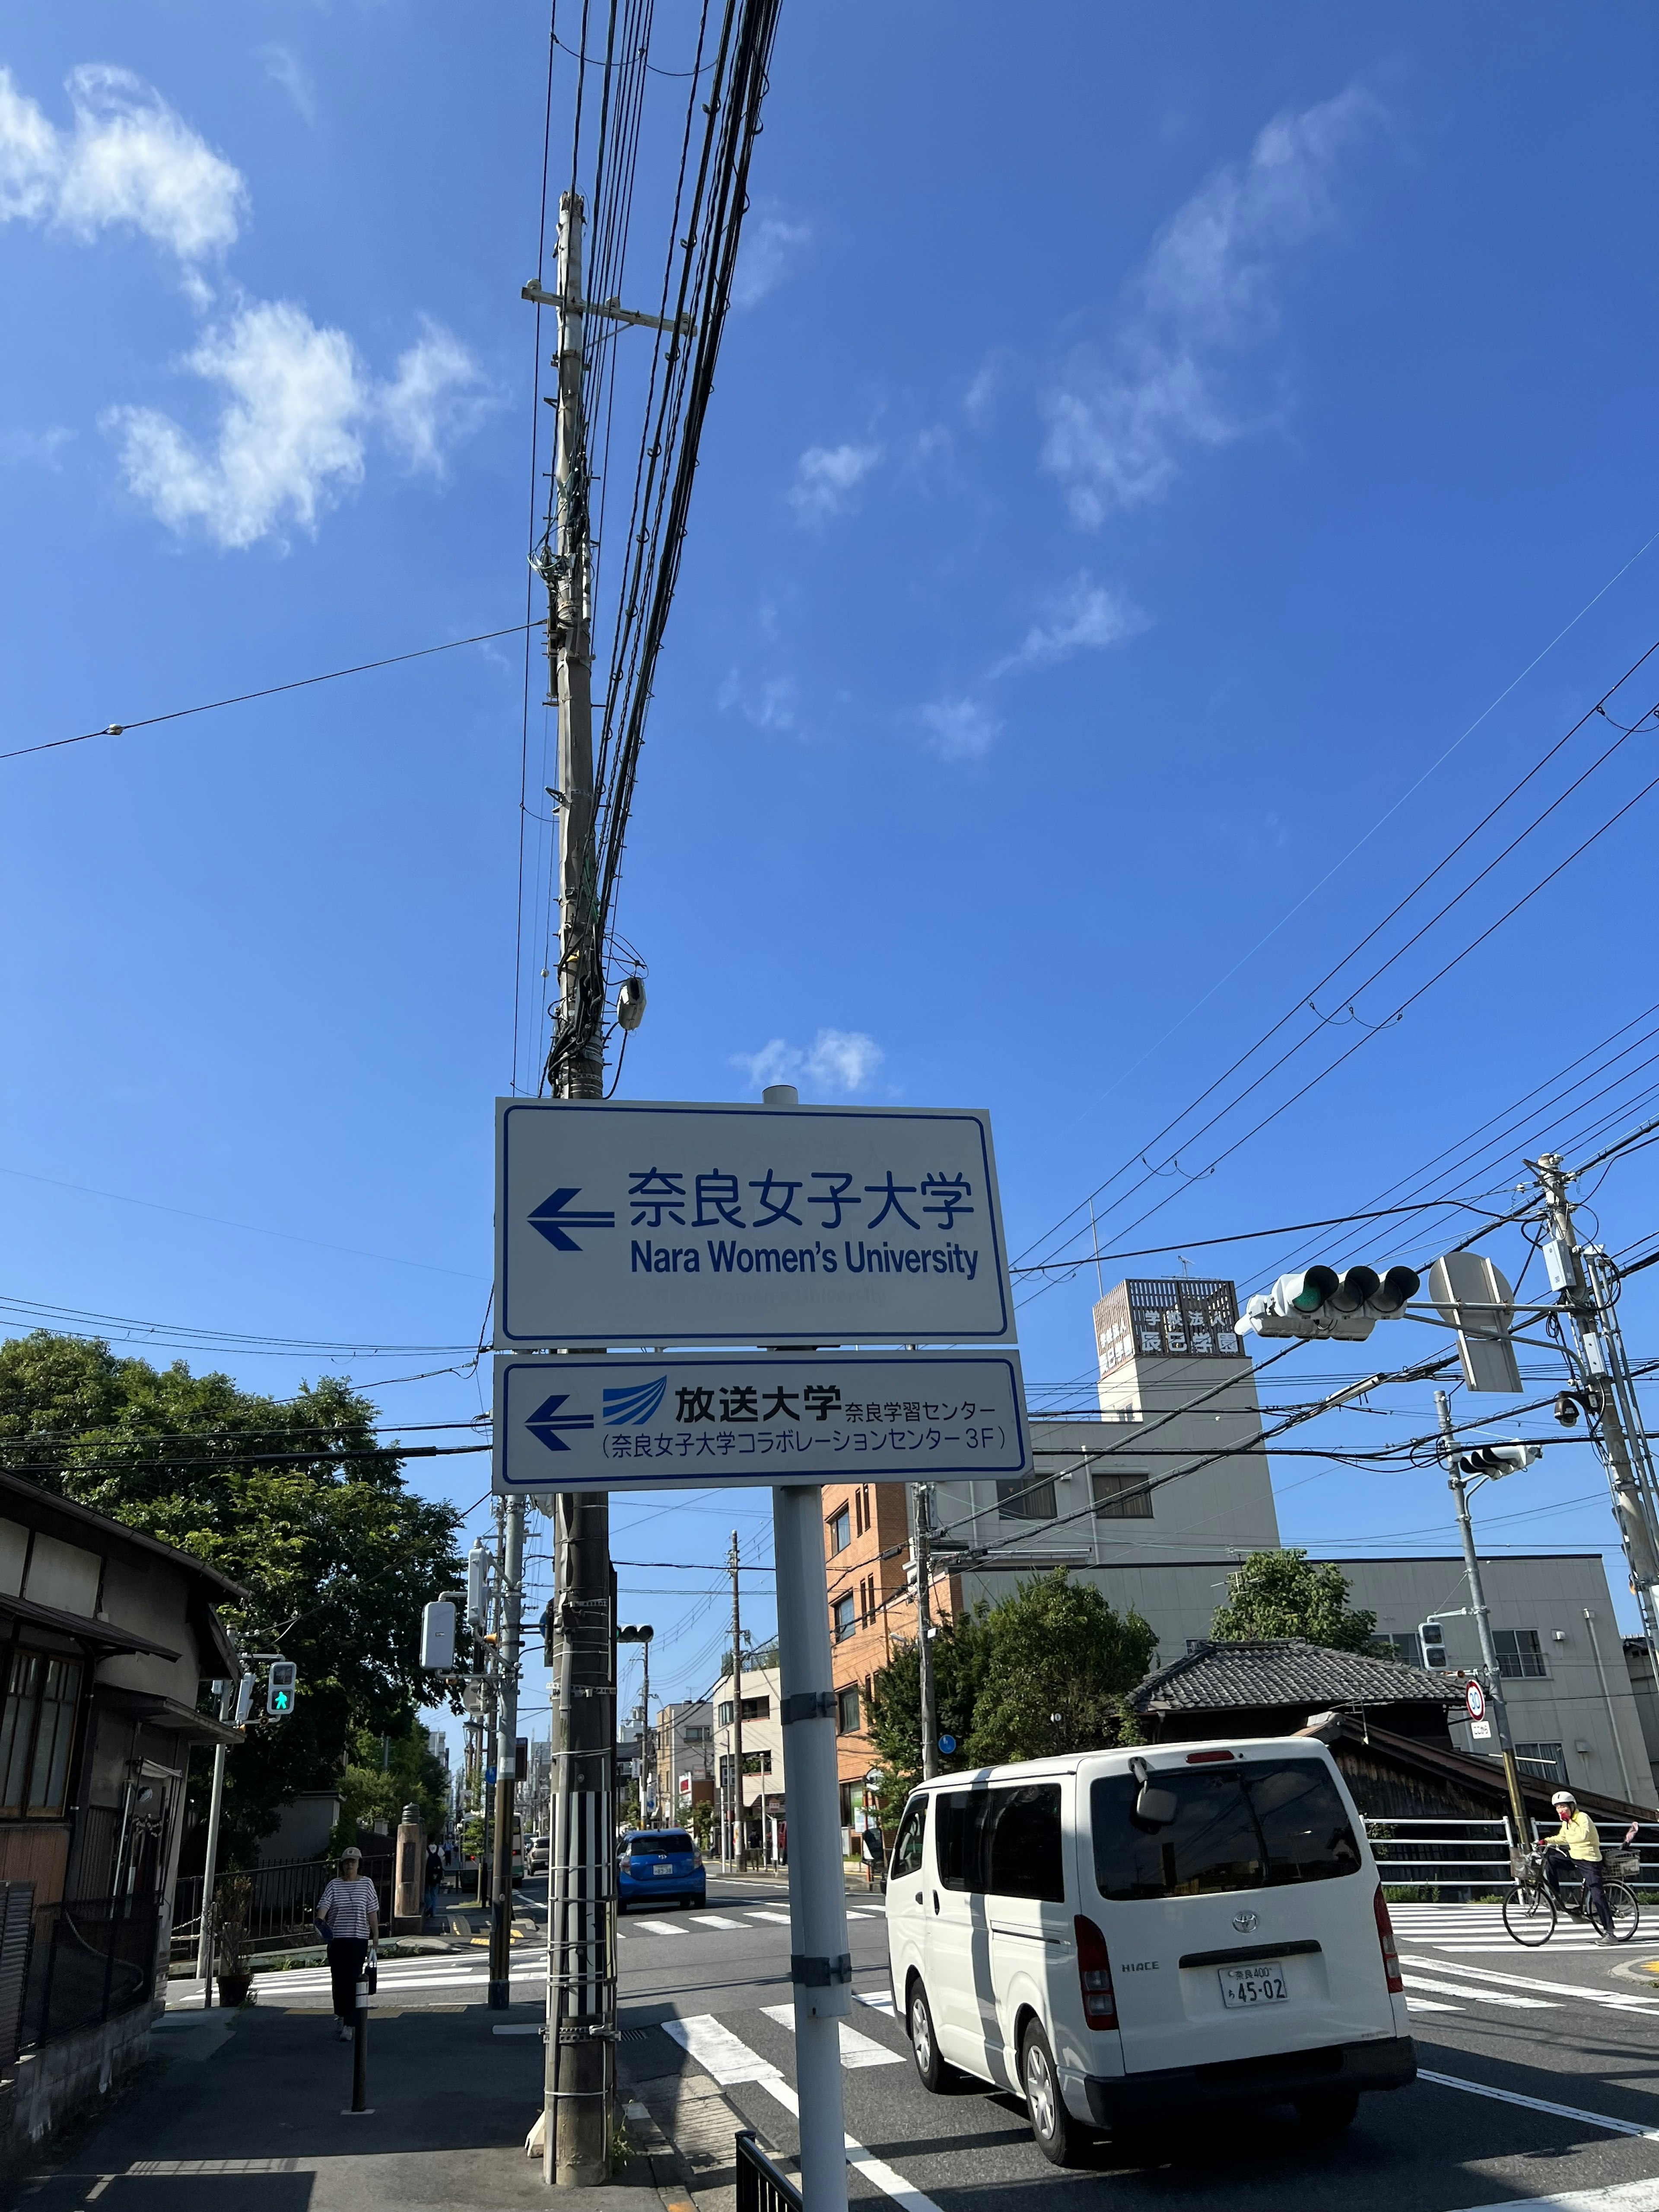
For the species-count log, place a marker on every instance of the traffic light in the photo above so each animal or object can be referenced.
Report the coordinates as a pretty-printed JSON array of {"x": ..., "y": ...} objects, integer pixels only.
[
  {"x": 1431, "y": 1643},
  {"x": 280, "y": 1684},
  {"x": 1317, "y": 1302},
  {"x": 631, "y": 1635},
  {"x": 1497, "y": 1459},
  {"x": 245, "y": 1690},
  {"x": 438, "y": 1635}
]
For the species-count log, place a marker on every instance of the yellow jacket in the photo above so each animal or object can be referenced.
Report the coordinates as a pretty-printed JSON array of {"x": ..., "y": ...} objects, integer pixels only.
[{"x": 1580, "y": 1838}]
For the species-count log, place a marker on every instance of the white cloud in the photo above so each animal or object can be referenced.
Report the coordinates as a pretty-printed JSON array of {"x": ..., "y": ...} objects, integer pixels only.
[
  {"x": 768, "y": 250},
  {"x": 1083, "y": 617},
  {"x": 289, "y": 437},
  {"x": 129, "y": 162},
  {"x": 962, "y": 729},
  {"x": 434, "y": 400},
  {"x": 827, "y": 481},
  {"x": 836, "y": 1060},
  {"x": 769, "y": 705},
  {"x": 284, "y": 68},
  {"x": 1208, "y": 293}
]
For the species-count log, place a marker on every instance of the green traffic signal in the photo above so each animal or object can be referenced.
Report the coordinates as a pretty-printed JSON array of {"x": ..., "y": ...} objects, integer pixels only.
[{"x": 1318, "y": 1285}]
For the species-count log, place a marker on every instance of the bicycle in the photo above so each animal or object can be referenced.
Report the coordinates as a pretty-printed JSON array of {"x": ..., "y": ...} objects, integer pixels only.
[{"x": 1531, "y": 1910}]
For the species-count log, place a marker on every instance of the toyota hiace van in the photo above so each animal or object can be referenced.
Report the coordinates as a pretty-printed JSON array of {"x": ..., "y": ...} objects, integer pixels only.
[{"x": 1123, "y": 1937}]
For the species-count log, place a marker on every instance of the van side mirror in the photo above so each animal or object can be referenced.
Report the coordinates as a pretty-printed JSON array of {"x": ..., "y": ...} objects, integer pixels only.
[{"x": 1155, "y": 1808}]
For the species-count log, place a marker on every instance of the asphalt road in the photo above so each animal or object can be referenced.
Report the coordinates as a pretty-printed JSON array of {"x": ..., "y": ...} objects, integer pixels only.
[{"x": 1568, "y": 2036}]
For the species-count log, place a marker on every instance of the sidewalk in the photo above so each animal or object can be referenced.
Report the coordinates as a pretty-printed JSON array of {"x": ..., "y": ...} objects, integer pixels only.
[{"x": 242, "y": 2112}]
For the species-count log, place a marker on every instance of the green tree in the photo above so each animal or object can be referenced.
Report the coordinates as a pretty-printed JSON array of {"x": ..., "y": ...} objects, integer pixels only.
[
  {"x": 383, "y": 1773},
  {"x": 1278, "y": 1594},
  {"x": 1056, "y": 1661},
  {"x": 894, "y": 1721},
  {"x": 296, "y": 1500}
]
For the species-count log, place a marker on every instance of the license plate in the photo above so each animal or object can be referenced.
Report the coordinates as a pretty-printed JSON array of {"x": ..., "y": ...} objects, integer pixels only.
[
  {"x": 662, "y": 1869},
  {"x": 1262, "y": 1982}
]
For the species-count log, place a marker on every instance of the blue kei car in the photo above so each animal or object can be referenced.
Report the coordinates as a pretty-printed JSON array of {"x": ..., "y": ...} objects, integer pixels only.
[{"x": 659, "y": 1866}]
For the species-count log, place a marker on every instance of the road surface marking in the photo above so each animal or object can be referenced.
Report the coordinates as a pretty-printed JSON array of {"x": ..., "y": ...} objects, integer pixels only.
[
  {"x": 781, "y": 1919},
  {"x": 659, "y": 1927},
  {"x": 1540, "y": 2105},
  {"x": 520, "y": 2028},
  {"x": 715, "y": 1920},
  {"x": 1485, "y": 1997},
  {"x": 856, "y": 2049},
  {"x": 720, "y": 2054},
  {"x": 1616, "y": 1998},
  {"x": 882, "y": 2003},
  {"x": 1620, "y": 2197},
  {"x": 1428, "y": 2004}
]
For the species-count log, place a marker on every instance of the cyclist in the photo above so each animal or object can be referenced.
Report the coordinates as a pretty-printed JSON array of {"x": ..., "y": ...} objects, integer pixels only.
[{"x": 1576, "y": 1847}]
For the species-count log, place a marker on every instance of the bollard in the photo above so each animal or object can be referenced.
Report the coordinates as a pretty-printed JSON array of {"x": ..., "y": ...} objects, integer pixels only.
[{"x": 360, "y": 2048}]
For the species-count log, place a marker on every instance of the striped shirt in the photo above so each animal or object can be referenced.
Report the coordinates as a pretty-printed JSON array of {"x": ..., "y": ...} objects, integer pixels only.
[{"x": 345, "y": 1907}]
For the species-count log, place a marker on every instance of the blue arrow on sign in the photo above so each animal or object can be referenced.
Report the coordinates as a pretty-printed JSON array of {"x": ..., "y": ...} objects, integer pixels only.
[
  {"x": 547, "y": 1420},
  {"x": 554, "y": 1219}
]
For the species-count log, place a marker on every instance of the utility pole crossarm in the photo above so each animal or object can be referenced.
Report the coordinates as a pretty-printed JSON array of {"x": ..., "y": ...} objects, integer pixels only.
[{"x": 612, "y": 310}]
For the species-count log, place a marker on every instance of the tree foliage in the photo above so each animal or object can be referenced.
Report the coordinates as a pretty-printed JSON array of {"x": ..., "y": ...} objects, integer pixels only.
[
  {"x": 1043, "y": 1673},
  {"x": 384, "y": 1772},
  {"x": 1285, "y": 1593},
  {"x": 295, "y": 1500}
]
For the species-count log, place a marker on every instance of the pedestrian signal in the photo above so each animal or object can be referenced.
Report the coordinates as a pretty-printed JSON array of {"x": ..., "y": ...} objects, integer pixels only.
[
  {"x": 280, "y": 1685},
  {"x": 1431, "y": 1643}
]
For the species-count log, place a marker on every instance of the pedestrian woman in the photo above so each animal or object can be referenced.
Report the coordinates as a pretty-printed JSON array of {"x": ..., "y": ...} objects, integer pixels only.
[
  {"x": 434, "y": 1875},
  {"x": 349, "y": 1915}
]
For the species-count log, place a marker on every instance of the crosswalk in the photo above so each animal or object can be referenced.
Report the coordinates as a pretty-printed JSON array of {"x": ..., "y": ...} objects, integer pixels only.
[
  {"x": 1477, "y": 1927},
  {"x": 1481, "y": 1985}
]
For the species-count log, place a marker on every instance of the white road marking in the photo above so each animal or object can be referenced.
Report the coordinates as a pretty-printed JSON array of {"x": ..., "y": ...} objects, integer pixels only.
[
  {"x": 719, "y": 2053},
  {"x": 660, "y": 1927},
  {"x": 882, "y": 2003},
  {"x": 1428, "y": 2004},
  {"x": 1539, "y": 2105},
  {"x": 862, "y": 1912},
  {"x": 1620, "y": 2197},
  {"x": 781, "y": 1918},
  {"x": 1485, "y": 1997},
  {"x": 1616, "y": 1998},
  {"x": 856, "y": 2049},
  {"x": 715, "y": 1920}
]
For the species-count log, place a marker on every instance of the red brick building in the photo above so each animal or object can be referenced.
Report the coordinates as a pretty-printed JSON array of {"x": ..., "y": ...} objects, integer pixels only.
[{"x": 873, "y": 1611}]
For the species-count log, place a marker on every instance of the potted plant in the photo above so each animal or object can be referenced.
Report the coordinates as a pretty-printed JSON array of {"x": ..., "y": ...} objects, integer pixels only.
[{"x": 233, "y": 1909}]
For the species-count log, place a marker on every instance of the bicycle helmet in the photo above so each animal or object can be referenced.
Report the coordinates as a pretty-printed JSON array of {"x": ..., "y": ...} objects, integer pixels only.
[{"x": 1564, "y": 1797}]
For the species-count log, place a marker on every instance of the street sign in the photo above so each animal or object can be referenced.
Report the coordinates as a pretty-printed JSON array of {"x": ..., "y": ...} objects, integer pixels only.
[
  {"x": 714, "y": 1420},
  {"x": 1474, "y": 1698},
  {"x": 947, "y": 1744},
  {"x": 622, "y": 1222}
]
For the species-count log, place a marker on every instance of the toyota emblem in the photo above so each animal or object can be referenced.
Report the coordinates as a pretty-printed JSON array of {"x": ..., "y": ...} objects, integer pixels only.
[{"x": 1244, "y": 1922}]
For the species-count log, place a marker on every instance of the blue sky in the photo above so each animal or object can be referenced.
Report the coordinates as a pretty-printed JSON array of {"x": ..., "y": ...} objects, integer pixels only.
[{"x": 1169, "y": 475}]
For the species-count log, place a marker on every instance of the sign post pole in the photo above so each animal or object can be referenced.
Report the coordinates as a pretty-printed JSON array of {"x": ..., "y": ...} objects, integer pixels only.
[{"x": 820, "y": 1963}]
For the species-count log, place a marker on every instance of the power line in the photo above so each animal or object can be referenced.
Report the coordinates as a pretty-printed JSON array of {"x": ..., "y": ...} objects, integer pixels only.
[{"x": 269, "y": 691}]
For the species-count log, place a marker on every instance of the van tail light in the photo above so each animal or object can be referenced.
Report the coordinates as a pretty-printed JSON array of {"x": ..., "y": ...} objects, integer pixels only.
[
  {"x": 1094, "y": 1969},
  {"x": 1385, "y": 1937}
]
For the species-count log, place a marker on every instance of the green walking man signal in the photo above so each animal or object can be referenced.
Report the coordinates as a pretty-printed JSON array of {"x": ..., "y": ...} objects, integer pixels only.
[{"x": 280, "y": 1687}]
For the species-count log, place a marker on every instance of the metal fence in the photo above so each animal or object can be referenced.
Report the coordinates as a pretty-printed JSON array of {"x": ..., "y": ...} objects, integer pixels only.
[
  {"x": 88, "y": 1960},
  {"x": 283, "y": 1899},
  {"x": 761, "y": 2187},
  {"x": 1447, "y": 1862}
]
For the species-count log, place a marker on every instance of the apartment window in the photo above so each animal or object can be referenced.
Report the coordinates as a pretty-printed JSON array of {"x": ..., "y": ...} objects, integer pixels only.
[
  {"x": 1520, "y": 1655},
  {"x": 754, "y": 1708},
  {"x": 1025, "y": 1501},
  {"x": 1389, "y": 1645},
  {"x": 847, "y": 1711},
  {"x": 842, "y": 1614},
  {"x": 1543, "y": 1761},
  {"x": 37, "y": 1727},
  {"x": 754, "y": 1762},
  {"x": 696, "y": 1733},
  {"x": 841, "y": 1531},
  {"x": 1120, "y": 1495},
  {"x": 860, "y": 1511}
]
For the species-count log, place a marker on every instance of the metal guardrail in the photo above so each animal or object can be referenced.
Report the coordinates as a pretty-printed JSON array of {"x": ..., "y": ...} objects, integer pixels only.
[
  {"x": 1452, "y": 1862},
  {"x": 761, "y": 2187},
  {"x": 284, "y": 1898}
]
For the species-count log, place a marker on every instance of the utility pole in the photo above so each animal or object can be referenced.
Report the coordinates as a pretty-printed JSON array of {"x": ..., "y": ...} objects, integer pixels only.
[
  {"x": 647, "y": 1763},
  {"x": 1588, "y": 1293},
  {"x": 210, "y": 1864},
  {"x": 580, "y": 2070},
  {"x": 740, "y": 1824},
  {"x": 924, "y": 1497},
  {"x": 1494, "y": 1684},
  {"x": 508, "y": 1626}
]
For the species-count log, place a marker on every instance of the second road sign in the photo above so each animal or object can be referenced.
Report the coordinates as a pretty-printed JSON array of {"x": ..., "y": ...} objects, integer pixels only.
[{"x": 620, "y": 1222}]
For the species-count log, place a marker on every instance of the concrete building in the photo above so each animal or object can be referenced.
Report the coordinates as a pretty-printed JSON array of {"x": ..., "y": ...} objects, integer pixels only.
[
  {"x": 685, "y": 1756},
  {"x": 1177, "y": 1397},
  {"x": 762, "y": 1786}
]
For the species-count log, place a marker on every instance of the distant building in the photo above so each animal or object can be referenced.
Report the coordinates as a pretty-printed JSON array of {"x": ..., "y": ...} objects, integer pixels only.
[{"x": 760, "y": 1791}]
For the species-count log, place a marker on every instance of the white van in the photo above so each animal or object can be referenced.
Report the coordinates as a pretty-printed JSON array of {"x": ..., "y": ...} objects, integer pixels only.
[{"x": 1125, "y": 1937}]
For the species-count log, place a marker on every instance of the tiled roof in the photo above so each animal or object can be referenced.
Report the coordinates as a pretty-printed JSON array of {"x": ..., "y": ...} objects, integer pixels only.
[{"x": 1285, "y": 1671}]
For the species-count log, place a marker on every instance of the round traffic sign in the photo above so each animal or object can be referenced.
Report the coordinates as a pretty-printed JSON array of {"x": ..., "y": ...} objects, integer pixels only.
[
  {"x": 1474, "y": 1698},
  {"x": 947, "y": 1744}
]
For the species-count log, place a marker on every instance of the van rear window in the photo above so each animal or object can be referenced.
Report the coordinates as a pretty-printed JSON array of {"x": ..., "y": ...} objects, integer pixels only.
[
  {"x": 1262, "y": 1823},
  {"x": 1002, "y": 1842}
]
